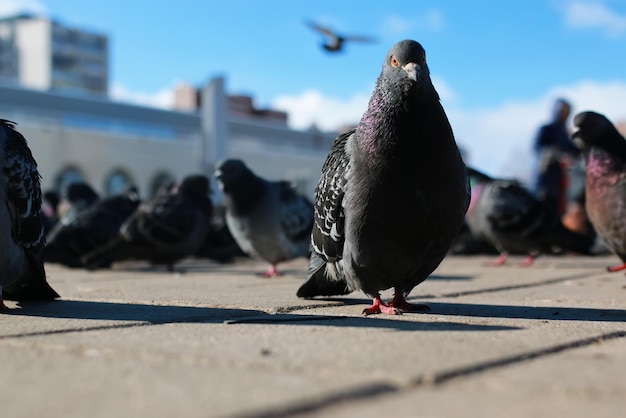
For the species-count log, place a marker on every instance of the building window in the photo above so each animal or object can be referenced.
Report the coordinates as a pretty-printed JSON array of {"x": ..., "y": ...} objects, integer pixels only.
[{"x": 117, "y": 182}]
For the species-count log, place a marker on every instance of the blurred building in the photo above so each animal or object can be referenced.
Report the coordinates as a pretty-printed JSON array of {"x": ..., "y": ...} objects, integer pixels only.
[
  {"x": 40, "y": 53},
  {"x": 189, "y": 98},
  {"x": 111, "y": 145}
]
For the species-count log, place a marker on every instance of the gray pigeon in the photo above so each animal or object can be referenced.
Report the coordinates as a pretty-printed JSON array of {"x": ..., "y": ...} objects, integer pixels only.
[
  {"x": 164, "y": 230},
  {"x": 268, "y": 219},
  {"x": 393, "y": 192},
  {"x": 88, "y": 229},
  {"x": 22, "y": 274},
  {"x": 604, "y": 151},
  {"x": 334, "y": 41},
  {"x": 508, "y": 216}
]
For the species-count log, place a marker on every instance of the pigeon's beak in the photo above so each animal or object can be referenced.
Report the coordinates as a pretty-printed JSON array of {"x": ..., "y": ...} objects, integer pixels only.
[{"x": 412, "y": 70}]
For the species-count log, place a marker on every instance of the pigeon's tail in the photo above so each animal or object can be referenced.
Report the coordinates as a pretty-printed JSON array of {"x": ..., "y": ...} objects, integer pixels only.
[
  {"x": 318, "y": 283},
  {"x": 561, "y": 238},
  {"x": 33, "y": 284},
  {"x": 115, "y": 250}
]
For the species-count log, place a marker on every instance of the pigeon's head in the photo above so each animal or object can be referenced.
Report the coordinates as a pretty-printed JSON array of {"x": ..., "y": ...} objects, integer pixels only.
[
  {"x": 405, "y": 64},
  {"x": 78, "y": 191},
  {"x": 231, "y": 172},
  {"x": 195, "y": 184},
  {"x": 593, "y": 129}
]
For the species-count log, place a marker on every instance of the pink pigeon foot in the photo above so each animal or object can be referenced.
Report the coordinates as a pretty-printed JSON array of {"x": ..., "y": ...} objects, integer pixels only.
[
  {"x": 402, "y": 305},
  {"x": 272, "y": 271},
  {"x": 499, "y": 261},
  {"x": 613, "y": 269},
  {"x": 378, "y": 306}
]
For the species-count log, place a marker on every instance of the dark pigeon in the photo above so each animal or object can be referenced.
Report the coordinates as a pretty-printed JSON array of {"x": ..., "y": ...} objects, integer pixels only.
[
  {"x": 89, "y": 229},
  {"x": 22, "y": 273},
  {"x": 75, "y": 198},
  {"x": 268, "y": 219},
  {"x": 164, "y": 230},
  {"x": 604, "y": 151},
  {"x": 334, "y": 41},
  {"x": 393, "y": 192},
  {"x": 508, "y": 216}
]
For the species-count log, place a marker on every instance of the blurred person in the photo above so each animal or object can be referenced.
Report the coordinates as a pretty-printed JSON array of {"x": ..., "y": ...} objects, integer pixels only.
[{"x": 554, "y": 152}]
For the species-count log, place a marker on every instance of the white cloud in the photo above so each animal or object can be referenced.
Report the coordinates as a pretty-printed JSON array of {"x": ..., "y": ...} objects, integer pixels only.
[
  {"x": 326, "y": 112},
  {"x": 498, "y": 139},
  {"x": 13, "y": 7},
  {"x": 594, "y": 14},
  {"x": 163, "y": 98},
  {"x": 431, "y": 21}
]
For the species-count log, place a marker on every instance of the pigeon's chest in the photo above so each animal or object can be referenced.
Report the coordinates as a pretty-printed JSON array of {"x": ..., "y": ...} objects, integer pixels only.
[{"x": 606, "y": 199}]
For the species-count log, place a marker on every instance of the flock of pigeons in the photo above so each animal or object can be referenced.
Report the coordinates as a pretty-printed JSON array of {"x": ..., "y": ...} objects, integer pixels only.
[{"x": 393, "y": 196}]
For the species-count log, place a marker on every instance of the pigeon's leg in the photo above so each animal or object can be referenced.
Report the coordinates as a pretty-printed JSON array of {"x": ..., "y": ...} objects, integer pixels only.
[
  {"x": 529, "y": 260},
  {"x": 613, "y": 269},
  {"x": 500, "y": 260},
  {"x": 272, "y": 271},
  {"x": 402, "y": 305},
  {"x": 378, "y": 306}
]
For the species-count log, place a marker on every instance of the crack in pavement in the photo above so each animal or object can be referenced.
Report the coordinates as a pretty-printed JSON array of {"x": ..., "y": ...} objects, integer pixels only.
[{"x": 432, "y": 379}]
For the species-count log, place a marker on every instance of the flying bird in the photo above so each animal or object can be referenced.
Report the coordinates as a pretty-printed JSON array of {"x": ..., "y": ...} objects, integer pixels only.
[
  {"x": 604, "y": 152},
  {"x": 268, "y": 219},
  {"x": 164, "y": 230},
  {"x": 393, "y": 192},
  {"x": 508, "y": 216},
  {"x": 89, "y": 229},
  {"x": 22, "y": 273},
  {"x": 334, "y": 41}
]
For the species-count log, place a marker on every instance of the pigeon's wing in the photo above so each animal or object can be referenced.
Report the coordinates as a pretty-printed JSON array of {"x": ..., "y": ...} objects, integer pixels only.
[
  {"x": 296, "y": 212},
  {"x": 320, "y": 29},
  {"x": 165, "y": 220},
  {"x": 359, "y": 38},
  {"x": 514, "y": 209},
  {"x": 327, "y": 238},
  {"x": 23, "y": 189}
]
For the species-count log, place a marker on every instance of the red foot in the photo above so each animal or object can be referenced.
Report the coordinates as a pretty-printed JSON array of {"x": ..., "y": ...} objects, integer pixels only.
[
  {"x": 272, "y": 271},
  {"x": 613, "y": 269},
  {"x": 499, "y": 261},
  {"x": 402, "y": 305},
  {"x": 530, "y": 259},
  {"x": 378, "y": 306}
]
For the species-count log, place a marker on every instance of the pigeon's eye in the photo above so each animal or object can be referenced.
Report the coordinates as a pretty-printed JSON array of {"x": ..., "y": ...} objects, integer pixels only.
[{"x": 394, "y": 61}]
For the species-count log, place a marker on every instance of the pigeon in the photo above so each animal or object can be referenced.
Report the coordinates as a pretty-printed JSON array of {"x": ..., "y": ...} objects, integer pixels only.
[
  {"x": 164, "y": 230},
  {"x": 75, "y": 198},
  {"x": 89, "y": 229},
  {"x": 335, "y": 42},
  {"x": 269, "y": 220},
  {"x": 507, "y": 215},
  {"x": 604, "y": 153},
  {"x": 220, "y": 245},
  {"x": 22, "y": 273},
  {"x": 393, "y": 191}
]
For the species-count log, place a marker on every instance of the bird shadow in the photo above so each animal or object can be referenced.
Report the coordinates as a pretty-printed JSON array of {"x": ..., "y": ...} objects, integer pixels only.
[{"x": 147, "y": 314}]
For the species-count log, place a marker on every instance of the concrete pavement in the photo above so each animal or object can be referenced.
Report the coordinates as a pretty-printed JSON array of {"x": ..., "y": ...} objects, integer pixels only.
[{"x": 218, "y": 341}]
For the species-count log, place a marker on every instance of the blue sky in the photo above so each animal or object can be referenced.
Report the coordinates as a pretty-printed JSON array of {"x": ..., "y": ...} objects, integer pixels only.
[{"x": 498, "y": 65}]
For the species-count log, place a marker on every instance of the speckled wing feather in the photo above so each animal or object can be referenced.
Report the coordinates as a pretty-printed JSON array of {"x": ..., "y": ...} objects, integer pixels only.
[
  {"x": 23, "y": 189},
  {"x": 328, "y": 236},
  {"x": 296, "y": 212}
]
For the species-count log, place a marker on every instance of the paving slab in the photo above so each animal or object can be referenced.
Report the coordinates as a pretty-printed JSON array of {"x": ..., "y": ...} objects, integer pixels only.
[{"x": 217, "y": 340}]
